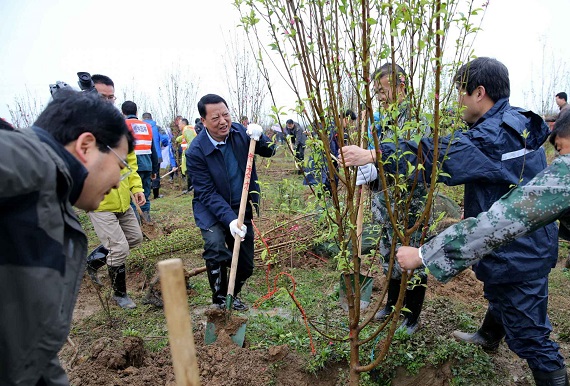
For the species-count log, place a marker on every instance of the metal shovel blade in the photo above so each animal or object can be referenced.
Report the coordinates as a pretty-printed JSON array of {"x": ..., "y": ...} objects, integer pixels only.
[
  {"x": 365, "y": 291},
  {"x": 210, "y": 335}
]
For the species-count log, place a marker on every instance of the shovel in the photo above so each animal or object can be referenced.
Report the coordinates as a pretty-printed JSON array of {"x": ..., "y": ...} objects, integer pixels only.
[
  {"x": 139, "y": 210},
  {"x": 239, "y": 335}
]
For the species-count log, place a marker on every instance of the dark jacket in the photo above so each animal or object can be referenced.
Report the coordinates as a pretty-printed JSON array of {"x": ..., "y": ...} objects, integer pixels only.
[
  {"x": 489, "y": 158},
  {"x": 42, "y": 258},
  {"x": 211, "y": 183},
  {"x": 298, "y": 134}
]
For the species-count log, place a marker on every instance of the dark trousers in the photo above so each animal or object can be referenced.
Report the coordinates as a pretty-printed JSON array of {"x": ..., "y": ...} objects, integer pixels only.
[
  {"x": 218, "y": 247},
  {"x": 522, "y": 309},
  {"x": 300, "y": 151},
  {"x": 146, "y": 183}
]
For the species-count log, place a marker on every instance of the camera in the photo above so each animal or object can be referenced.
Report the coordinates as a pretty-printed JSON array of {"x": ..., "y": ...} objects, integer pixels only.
[{"x": 85, "y": 84}]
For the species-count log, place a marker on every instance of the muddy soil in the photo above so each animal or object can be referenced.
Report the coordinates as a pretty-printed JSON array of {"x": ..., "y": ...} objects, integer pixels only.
[{"x": 116, "y": 360}]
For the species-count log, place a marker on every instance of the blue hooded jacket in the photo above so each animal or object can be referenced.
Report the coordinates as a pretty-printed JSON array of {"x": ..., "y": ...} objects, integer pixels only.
[
  {"x": 489, "y": 158},
  {"x": 158, "y": 139}
]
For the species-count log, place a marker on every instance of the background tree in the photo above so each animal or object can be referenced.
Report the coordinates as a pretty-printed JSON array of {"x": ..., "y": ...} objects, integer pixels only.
[
  {"x": 133, "y": 92},
  {"x": 177, "y": 95},
  {"x": 548, "y": 77},
  {"x": 248, "y": 90},
  {"x": 26, "y": 108}
]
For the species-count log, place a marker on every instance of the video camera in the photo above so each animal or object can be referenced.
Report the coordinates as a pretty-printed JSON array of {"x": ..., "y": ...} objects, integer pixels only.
[{"x": 85, "y": 84}]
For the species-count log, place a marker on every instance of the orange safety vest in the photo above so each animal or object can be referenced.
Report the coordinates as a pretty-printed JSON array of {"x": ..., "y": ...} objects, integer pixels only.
[{"x": 143, "y": 136}]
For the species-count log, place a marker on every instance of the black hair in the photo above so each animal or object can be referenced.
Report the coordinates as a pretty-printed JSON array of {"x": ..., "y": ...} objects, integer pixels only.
[
  {"x": 102, "y": 79},
  {"x": 289, "y": 122},
  {"x": 4, "y": 125},
  {"x": 129, "y": 108},
  {"x": 74, "y": 113},
  {"x": 562, "y": 95},
  {"x": 147, "y": 116},
  {"x": 209, "y": 99},
  {"x": 486, "y": 72},
  {"x": 350, "y": 114},
  {"x": 197, "y": 120},
  {"x": 386, "y": 70},
  {"x": 185, "y": 120},
  {"x": 561, "y": 128}
]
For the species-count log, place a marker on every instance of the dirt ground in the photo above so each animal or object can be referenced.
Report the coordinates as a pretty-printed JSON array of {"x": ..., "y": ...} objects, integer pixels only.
[{"x": 126, "y": 361}]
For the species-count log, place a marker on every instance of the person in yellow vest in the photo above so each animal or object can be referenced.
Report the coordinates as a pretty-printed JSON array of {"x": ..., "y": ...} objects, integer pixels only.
[
  {"x": 114, "y": 221},
  {"x": 188, "y": 134},
  {"x": 145, "y": 150}
]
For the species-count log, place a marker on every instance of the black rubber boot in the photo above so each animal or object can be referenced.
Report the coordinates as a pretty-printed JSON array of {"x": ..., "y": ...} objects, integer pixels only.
[
  {"x": 218, "y": 278},
  {"x": 118, "y": 276},
  {"x": 414, "y": 302},
  {"x": 555, "y": 378},
  {"x": 488, "y": 336},
  {"x": 96, "y": 260},
  {"x": 237, "y": 304},
  {"x": 393, "y": 292}
]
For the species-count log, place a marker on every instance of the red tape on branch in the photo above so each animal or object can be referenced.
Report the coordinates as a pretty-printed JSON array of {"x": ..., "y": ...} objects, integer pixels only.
[{"x": 271, "y": 292}]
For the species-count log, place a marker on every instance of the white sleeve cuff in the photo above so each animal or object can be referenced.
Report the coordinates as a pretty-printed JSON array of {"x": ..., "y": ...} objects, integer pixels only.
[{"x": 421, "y": 256}]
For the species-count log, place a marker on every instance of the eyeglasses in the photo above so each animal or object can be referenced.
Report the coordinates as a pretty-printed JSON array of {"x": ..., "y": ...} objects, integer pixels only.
[
  {"x": 129, "y": 170},
  {"x": 108, "y": 97}
]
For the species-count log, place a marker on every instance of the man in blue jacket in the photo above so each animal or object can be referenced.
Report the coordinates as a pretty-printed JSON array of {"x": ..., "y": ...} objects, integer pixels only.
[
  {"x": 218, "y": 158},
  {"x": 159, "y": 141},
  {"x": 502, "y": 148}
]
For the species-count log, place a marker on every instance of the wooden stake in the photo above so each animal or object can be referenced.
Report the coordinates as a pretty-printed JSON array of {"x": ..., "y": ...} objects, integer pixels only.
[{"x": 179, "y": 322}]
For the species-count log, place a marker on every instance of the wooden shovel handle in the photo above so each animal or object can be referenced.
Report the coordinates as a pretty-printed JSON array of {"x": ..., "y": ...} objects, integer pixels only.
[
  {"x": 241, "y": 215},
  {"x": 134, "y": 199},
  {"x": 179, "y": 322}
]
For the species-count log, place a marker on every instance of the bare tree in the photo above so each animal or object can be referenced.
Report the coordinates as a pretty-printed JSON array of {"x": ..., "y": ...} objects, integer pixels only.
[
  {"x": 549, "y": 77},
  {"x": 177, "y": 95},
  {"x": 25, "y": 110},
  {"x": 247, "y": 84},
  {"x": 133, "y": 92}
]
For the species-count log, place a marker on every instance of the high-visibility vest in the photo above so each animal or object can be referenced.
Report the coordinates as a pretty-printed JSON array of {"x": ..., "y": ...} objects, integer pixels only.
[
  {"x": 143, "y": 136},
  {"x": 184, "y": 144}
]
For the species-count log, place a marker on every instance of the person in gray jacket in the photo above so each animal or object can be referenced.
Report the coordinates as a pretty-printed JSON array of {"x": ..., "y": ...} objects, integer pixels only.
[
  {"x": 72, "y": 156},
  {"x": 298, "y": 139}
]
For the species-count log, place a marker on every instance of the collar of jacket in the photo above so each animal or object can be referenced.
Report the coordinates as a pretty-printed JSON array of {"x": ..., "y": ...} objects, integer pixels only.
[
  {"x": 499, "y": 105},
  {"x": 76, "y": 170},
  {"x": 208, "y": 146},
  {"x": 132, "y": 117}
]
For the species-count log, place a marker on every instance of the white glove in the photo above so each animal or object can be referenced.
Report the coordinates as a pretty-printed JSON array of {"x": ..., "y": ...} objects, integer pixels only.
[
  {"x": 234, "y": 230},
  {"x": 366, "y": 174},
  {"x": 254, "y": 131}
]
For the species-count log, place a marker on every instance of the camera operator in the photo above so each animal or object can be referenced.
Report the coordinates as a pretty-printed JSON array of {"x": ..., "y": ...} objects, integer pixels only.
[{"x": 114, "y": 220}]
